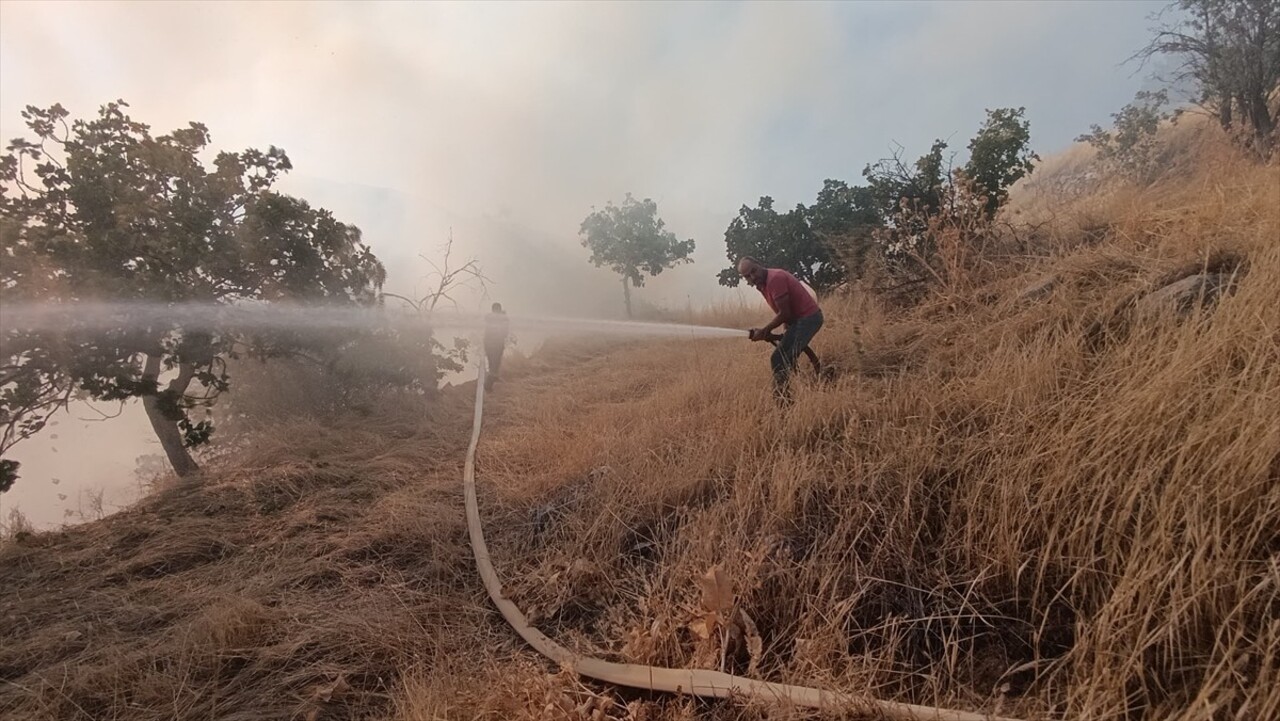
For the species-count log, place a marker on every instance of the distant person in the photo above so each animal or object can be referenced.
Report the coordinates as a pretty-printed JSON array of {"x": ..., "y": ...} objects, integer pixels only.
[
  {"x": 795, "y": 307},
  {"x": 495, "y": 342}
]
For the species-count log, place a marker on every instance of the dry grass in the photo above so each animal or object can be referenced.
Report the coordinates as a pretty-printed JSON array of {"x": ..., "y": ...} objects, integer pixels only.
[
  {"x": 319, "y": 564},
  {"x": 1048, "y": 506},
  {"x": 996, "y": 506}
]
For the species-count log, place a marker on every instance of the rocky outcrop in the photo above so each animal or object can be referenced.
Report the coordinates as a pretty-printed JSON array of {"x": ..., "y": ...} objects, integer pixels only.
[{"x": 1186, "y": 294}]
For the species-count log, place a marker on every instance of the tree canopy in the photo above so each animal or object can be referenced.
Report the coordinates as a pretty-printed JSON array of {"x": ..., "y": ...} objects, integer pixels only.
[
  {"x": 632, "y": 241},
  {"x": 102, "y": 210},
  {"x": 1130, "y": 148},
  {"x": 1000, "y": 155},
  {"x": 805, "y": 240},
  {"x": 828, "y": 242},
  {"x": 1230, "y": 51}
]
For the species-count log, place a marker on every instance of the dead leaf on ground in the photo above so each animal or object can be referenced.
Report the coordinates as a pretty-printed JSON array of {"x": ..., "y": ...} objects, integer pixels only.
[
  {"x": 333, "y": 690},
  {"x": 717, "y": 591},
  {"x": 703, "y": 626},
  {"x": 717, "y": 600}
]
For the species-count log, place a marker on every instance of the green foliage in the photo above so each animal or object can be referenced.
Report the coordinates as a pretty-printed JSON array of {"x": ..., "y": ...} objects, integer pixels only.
[
  {"x": 840, "y": 209},
  {"x": 909, "y": 198},
  {"x": 8, "y": 474},
  {"x": 805, "y": 240},
  {"x": 1130, "y": 148},
  {"x": 101, "y": 209},
  {"x": 387, "y": 359},
  {"x": 632, "y": 241},
  {"x": 339, "y": 373},
  {"x": 1000, "y": 155},
  {"x": 893, "y": 183},
  {"x": 894, "y": 215},
  {"x": 781, "y": 240}
]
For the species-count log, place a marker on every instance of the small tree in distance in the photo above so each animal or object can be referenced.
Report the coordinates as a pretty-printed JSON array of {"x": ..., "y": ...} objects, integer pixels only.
[
  {"x": 1130, "y": 148},
  {"x": 633, "y": 242}
]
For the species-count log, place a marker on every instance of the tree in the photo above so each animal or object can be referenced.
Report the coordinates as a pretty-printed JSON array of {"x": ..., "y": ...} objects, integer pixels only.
[
  {"x": 444, "y": 280},
  {"x": 779, "y": 240},
  {"x": 910, "y": 196},
  {"x": 632, "y": 241},
  {"x": 892, "y": 183},
  {"x": 1230, "y": 50},
  {"x": 906, "y": 197},
  {"x": 805, "y": 241},
  {"x": 1130, "y": 147},
  {"x": 101, "y": 210},
  {"x": 896, "y": 214},
  {"x": 1000, "y": 155}
]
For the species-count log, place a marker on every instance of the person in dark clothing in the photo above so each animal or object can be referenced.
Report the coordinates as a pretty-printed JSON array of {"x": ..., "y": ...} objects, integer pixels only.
[{"x": 495, "y": 342}]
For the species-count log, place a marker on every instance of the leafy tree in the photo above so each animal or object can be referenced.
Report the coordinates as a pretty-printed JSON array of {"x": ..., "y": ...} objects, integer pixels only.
[
  {"x": 782, "y": 240},
  {"x": 1230, "y": 50},
  {"x": 807, "y": 241},
  {"x": 893, "y": 183},
  {"x": 840, "y": 209},
  {"x": 8, "y": 474},
  {"x": 910, "y": 196},
  {"x": 633, "y": 242},
  {"x": 936, "y": 218},
  {"x": 1000, "y": 155},
  {"x": 1130, "y": 147},
  {"x": 102, "y": 210},
  {"x": 896, "y": 214},
  {"x": 896, "y": 187}
]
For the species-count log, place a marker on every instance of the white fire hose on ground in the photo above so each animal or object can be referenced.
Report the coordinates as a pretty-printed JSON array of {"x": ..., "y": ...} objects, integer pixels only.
[{"x": 696, "y": 682}]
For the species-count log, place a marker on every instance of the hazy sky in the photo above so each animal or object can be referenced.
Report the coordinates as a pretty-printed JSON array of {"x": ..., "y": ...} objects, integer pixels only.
[{"x": 508, "y": 122}]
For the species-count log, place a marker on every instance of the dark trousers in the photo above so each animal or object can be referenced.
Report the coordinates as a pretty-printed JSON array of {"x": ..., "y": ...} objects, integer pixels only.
[
  {"x": 493, "y": 353},
  {"x": 787, "y": 354}
]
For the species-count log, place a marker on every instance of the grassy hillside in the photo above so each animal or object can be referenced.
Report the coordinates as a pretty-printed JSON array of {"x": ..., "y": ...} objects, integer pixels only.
[{"x": 1038, "y": 493}]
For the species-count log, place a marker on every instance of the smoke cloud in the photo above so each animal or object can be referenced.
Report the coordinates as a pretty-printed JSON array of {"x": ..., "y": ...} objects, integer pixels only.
[{"x": 506, "y": 123}]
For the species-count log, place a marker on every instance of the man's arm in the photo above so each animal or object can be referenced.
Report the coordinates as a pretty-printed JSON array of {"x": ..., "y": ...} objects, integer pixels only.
[{"x": 783, "y": 316}]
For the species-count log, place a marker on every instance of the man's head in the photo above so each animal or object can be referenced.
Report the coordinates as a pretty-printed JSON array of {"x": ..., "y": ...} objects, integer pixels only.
[
  {"x": 497, "y": 308},
  {"x": 751, "y": 271}
]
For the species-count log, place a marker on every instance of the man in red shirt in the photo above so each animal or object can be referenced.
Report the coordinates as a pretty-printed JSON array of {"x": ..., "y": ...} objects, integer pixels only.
[{"x": 795, "y": 308}]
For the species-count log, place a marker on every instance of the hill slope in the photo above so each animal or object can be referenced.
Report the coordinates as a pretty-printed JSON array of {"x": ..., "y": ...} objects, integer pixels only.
[{"x": 1044, "y": 495}]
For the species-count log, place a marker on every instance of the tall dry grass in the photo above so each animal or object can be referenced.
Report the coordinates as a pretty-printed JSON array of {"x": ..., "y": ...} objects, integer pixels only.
[
  {"x": 1061, "y": 506},
  {"x": 1050, "y": 505}
]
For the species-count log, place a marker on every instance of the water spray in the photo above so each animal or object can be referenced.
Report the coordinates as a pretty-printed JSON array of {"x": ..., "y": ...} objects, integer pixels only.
[
  {"x": 101, "y": 317},
  {"x": 96, "y": 316}
]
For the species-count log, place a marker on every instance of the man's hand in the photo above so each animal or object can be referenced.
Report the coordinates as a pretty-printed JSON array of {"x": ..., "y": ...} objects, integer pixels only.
[{"x": 757, "y": 334}]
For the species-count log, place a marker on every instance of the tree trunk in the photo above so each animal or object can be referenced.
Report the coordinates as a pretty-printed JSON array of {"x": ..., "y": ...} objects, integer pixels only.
[
  {"x": 626, "y": 294},
  {"x": 165, "y": 427},
  {"x": 1224, "y": 112},
  {"x": 1263, "y": 124}
]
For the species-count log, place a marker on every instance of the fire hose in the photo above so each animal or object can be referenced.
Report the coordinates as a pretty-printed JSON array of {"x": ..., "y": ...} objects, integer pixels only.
[
  {"x": 776, "y": 338},
  {"x": 695, "y": 682}
]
